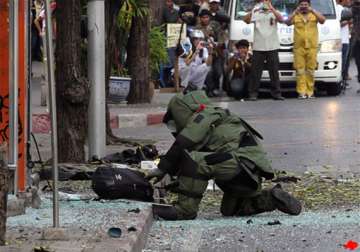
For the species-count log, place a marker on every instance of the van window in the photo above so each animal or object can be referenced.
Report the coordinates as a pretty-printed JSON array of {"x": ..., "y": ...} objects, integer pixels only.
[{"x": 286, "y": 7}]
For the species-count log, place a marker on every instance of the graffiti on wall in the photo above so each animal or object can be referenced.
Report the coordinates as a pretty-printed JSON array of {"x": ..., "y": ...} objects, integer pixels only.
[{"x": 4, "y": 85}]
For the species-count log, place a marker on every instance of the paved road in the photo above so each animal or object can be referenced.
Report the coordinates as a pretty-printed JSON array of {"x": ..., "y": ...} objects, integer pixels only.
[
  {"x": 311, "y": 231},
  {"x": 299, "y": 135}
]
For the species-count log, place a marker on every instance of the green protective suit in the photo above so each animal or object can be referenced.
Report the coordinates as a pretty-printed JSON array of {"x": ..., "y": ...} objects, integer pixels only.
[{"x": 211, "y": 143}]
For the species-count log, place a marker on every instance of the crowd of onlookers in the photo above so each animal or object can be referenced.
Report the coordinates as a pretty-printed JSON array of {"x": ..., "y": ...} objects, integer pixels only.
[{"x": 206, "y": 61}]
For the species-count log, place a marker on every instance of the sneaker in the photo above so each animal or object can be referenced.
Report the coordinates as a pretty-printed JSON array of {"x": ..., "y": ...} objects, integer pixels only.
[
  {"x": 301, "y": 96},
  {"x": 311, "y": 96}
]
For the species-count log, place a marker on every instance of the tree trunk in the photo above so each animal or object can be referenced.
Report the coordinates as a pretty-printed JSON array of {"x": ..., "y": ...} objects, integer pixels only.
[
  {"x": 111, "y": 12},
  {"x": 156, "y": 7},
  {"x": 138, "y": 59},
  {"x": 72, "y": 89},
  {"x": 4, "y": 180}
]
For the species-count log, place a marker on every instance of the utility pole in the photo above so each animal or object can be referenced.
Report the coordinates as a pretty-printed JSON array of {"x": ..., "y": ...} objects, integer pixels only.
[
  {"x": 52, "y": 103},
  {"x": 13, "y": 89},
  {"x": 96, "y": 75}
]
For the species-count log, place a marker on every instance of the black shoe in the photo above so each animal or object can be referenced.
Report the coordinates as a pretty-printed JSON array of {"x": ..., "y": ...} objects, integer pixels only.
[
  {"x": 285, "y": 202},
  {"x": 278, "y": 98},
  {"x": 252, "y": 98}
]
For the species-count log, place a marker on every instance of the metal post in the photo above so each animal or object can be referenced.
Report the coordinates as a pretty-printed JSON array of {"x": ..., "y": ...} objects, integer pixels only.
[
  {"x": 13, "y": 89},
  {"x": 52, "y": 102},
  {"x": 28, "y": 90},
  {"x": 96, "y": 75}
]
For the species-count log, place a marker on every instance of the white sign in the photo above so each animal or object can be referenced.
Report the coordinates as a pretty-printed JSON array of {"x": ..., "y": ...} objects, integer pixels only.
[{"x": 173, "y": 33}]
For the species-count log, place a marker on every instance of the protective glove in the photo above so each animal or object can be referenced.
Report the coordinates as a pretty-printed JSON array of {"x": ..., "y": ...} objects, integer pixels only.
[{"x": 155, "y": 173}]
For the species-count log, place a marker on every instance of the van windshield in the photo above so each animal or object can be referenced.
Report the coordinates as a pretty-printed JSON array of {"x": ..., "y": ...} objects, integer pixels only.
[{"x": 286, "y": 7}]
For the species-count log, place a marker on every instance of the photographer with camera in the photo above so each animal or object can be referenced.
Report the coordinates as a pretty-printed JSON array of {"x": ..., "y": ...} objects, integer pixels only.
[
  {"x": 195, "y": 63},
  {"x": 239, "y": 68},
  {"x": 212, "y": 32},
  {"x": 306, "y": 39},
  {"x": 265, "y": 47}
]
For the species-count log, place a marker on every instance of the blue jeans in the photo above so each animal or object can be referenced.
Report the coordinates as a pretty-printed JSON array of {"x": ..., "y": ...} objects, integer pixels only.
[
  {"x": 345, "y": 60},
  {"x": 165, "y": 69}
]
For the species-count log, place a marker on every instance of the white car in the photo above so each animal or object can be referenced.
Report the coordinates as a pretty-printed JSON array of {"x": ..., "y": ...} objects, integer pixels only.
[{"x": 328, "y": 73}]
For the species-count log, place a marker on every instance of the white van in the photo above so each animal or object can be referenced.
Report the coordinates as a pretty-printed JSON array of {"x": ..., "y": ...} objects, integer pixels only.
[{"x": 328, "y": 73}]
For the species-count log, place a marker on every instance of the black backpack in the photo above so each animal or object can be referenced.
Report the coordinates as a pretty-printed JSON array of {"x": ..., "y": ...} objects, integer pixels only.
[{"x": 121, "y": 183}]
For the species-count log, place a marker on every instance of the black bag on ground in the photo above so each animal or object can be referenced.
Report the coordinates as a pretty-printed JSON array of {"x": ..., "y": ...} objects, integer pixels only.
[{"x": 120, "y": 183}]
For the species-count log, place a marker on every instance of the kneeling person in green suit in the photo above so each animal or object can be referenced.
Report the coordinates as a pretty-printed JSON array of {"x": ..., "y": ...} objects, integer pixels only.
[{"x": 212, "y": 143}]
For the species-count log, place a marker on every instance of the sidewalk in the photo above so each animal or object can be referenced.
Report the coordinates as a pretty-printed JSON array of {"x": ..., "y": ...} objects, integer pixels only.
[{"x": 84, "y": 227}]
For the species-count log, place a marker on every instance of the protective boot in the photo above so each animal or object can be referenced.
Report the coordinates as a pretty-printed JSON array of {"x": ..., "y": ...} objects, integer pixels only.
[
  {"x": 270, "y": 200},
  {"x": 261, "y": 203},
  {"x": 285, "y": 202},
  {"x": 229, "y": 205},
  {"x": 164, "y": 212}
]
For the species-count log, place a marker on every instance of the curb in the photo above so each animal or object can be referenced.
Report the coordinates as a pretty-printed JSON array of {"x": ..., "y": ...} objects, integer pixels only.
[
  {"x": 41, "y": 122},
  {"x": 72, "y": 240}
]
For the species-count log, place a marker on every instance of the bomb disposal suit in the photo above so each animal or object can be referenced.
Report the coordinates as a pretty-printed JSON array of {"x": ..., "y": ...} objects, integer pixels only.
[{"x": 211, "y": 143}]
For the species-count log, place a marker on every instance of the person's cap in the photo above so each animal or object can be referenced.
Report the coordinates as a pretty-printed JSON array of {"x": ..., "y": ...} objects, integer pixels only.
[
  {"x": 205, "y": 12},
  {"x": 214, "y": 1},
  {"x": 197, "y": 34}
]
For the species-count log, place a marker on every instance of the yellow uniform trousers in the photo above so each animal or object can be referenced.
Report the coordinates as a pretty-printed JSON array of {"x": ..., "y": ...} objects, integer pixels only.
[{"x": 305, "y": 63}]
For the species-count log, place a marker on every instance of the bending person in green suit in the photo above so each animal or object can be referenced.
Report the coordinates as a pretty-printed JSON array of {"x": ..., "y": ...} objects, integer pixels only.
[{"x": 212, "y": 143}]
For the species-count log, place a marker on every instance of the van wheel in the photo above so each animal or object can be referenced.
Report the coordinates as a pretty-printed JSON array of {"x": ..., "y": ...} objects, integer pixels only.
[{"x": 334, "y": 88}]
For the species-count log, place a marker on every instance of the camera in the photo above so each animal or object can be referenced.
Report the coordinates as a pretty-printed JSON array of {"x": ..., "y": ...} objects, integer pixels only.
[
  {"x": 264, "y": 6},
  {"x": 346, "y": 15},
  {"x": 204, "y": 43},
  {"x": 303, "y": 9}
]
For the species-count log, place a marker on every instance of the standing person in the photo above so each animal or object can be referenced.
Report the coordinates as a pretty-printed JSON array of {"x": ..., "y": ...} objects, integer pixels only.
[
  {"x": 220, "y": 21},
  {"x": 36, "y": 53},
  {"x": 170, "y": 16},
  {"x": 217, "y": 13},
  {"x": 170, "y": 12},
  {"x": 265, "y": 47},
  {"x": 306, "y": 40},
  {"x": 240, "y": 66},
  {"x": 345, "y": 22},
  {"x": 355, "y": 35},
  {"x": 202, "y": 5}
]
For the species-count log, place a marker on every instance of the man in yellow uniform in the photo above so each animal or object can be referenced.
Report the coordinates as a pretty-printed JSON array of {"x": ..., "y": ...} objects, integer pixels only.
[{"x": 305, "y": 20}]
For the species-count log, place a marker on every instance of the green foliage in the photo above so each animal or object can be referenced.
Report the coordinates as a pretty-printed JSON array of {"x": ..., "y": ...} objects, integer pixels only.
[
  {"x": 158, "y": 50},
  {"x": 123, "y": 71},
  {"x": 131, "y": 9}
]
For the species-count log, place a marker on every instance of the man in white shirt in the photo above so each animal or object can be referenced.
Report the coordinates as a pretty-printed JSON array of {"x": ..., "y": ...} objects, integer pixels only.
[{"x": 265, "y": 47}]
